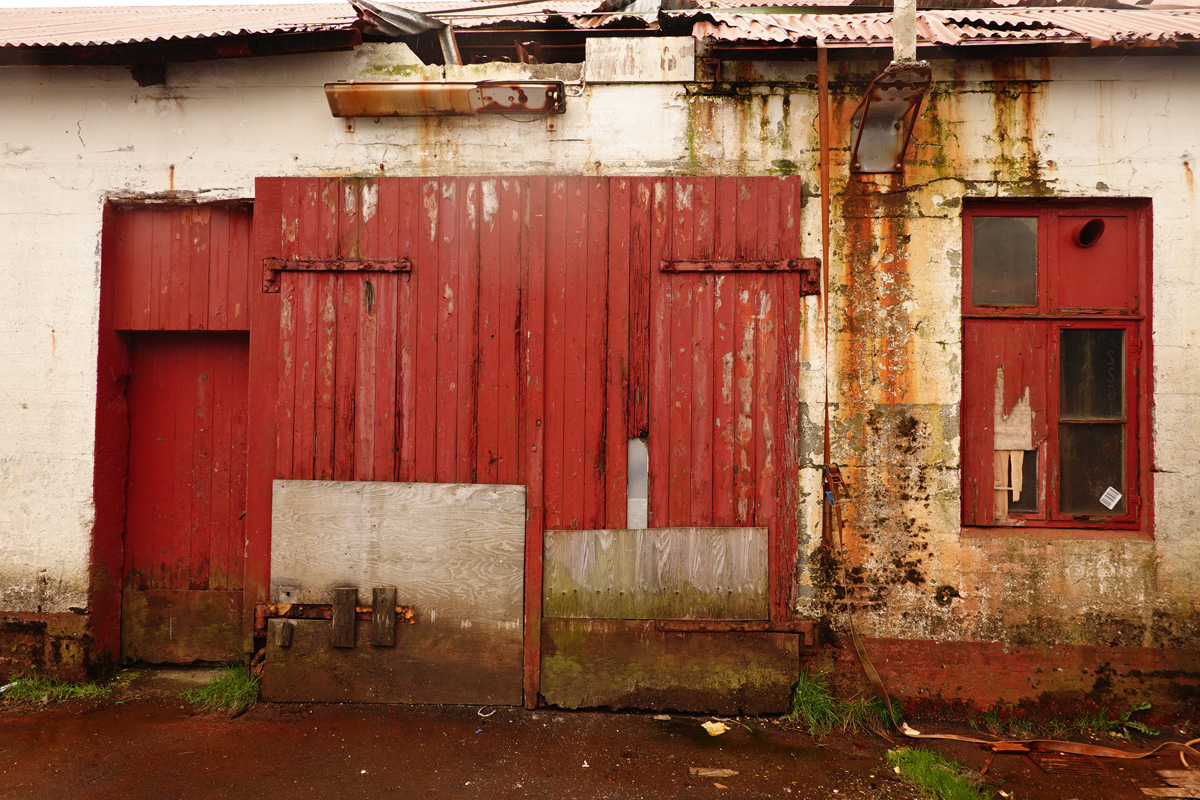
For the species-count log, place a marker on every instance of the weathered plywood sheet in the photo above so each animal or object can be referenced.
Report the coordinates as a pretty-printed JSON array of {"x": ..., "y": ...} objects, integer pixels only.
[
  {"x": 430, "y": 663},
  {"x": 656, "y": 573},
  {"x": 629, "y": 664},
  {"x": 451, "y": 550},
  {"x": 454, "y": 552}
]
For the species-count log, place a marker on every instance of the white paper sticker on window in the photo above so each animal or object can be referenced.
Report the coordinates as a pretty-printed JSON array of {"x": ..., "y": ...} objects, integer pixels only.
[{"x": 1110, "y": 498}]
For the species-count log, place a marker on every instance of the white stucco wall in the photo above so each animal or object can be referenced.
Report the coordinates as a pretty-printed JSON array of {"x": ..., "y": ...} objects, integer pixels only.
[{"x": 1100, "y": 127}]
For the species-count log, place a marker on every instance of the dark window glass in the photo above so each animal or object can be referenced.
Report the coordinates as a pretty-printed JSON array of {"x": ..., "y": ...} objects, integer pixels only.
[
  {"x": 1029, "y": 480},
  {"x": 1092, "y": 374},
  {"x": 1091, "y": 459},
  {"x": 1004, "y": 261}
]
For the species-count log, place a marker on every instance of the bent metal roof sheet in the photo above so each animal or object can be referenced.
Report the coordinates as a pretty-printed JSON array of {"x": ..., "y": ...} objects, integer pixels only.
[{"x": 717, "y": 20}]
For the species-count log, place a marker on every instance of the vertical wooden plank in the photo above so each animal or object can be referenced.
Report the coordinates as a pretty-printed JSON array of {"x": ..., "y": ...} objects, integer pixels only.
[
  {"x": 383, "y": 616},
  {"x": 365, "y": 386},
  {"x": 701, "y": 412},
  {"x": 534, "y": 244},
  {"x": 449, "y": 308},
  {"x": 512, "y": 197},
  {"x": 324, "y": 377},
  {"x": 159, "y": 253},
  {"x": 425, "y": 327},
  {"x": 182, "y": 392},
  {"x": 348, "y": 291},
  {"x": 680, "y": 291},
  {"x": 119, "y": 264},
  {"x": 489, "y": 414},
  {"x": 467, "y": 439},
  {"x": 555, "y": 352},
  {"x": 220, "y": 236},
  {"x": 724, "y": 415},
  {"x": 659, "y": 402},
  {"x": 640, "y": 253},
  {"x": 208, "y": 366},
  {"x": 596, "y": 277},
  {"x": 245, "y": 277},
  {"x": 787, "y": 445},
  {"x": 199, "y": 246},
  {"x": 745, "y": 332},
  {"x": 617, "y": 380},
  {"x": 575, "y": 366},
  {"x": 767, "y": 391},
  {"x": 345, "y": 600},
  {"x": 220, "y": 521},
  {"x": 401, "y": 311},
  {"x": 144, "y": 237}
]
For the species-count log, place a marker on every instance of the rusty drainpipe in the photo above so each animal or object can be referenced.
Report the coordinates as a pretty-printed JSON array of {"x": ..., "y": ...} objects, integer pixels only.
[{"x": 823, "y": 145}]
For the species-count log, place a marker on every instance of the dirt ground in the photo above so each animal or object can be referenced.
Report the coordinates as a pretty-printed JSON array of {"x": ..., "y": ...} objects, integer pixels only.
[{"x": 145, "y": 742}]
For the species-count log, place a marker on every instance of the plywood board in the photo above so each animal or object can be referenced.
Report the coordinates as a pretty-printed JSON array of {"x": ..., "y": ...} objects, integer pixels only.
[
  {"x": 656, "y": 573},
  {"x": 454, "y": 552},
  {"x": 630, "y": 664}
]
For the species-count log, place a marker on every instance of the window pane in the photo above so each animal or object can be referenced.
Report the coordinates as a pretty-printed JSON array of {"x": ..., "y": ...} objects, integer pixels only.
[
  {"x": 1091, "y": 459},
  {"x": 1092, "y": 373},
  {"x": 1004, "y": 261}
]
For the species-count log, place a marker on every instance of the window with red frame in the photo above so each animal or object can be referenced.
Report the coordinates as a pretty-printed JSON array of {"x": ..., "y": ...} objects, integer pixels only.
[{"x": 1056, "y": 392}]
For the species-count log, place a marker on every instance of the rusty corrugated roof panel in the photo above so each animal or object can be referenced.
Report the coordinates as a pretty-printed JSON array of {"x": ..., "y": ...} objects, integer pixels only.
[
  {"x": 65, "y": 27},
  {"x": 948, "y": 28}
]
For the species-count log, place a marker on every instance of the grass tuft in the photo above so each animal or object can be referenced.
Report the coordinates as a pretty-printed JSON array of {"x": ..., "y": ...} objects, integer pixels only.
[
  {"x": 38, "y": 689},
  {"x": 934, "y": 775},
  {"x": 232, "y": 690},
  {"x": 815, "y": 705}
]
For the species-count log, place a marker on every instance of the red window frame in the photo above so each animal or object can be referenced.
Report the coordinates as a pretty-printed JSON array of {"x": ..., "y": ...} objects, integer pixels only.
[{"x": 1114, "y": 283}]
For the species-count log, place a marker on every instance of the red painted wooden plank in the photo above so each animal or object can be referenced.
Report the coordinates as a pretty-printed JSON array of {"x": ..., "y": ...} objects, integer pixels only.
[
  {"x": 770, "y": 202},
  {"x": 197, "y": 234},
  {"x": 425, "y": 327},
  {"x": 220, "y": 263},
  {"x": 120, "y": 261},
  {"x": 243, "y": 278},
  {"x": 159, "y": 253},
  {"x": 365, "y": 387},
  {"x": 724, "y": 509},
  {"x": 182, "y": 374},
  {"x": 787, "y": 443},
  {"x": 149, "y": 455},
  {"x": 680, "y": 312},
  {"x": 744, "y": 366},
  {"x": 533, "y": 256},
  {"x": 468, "y": 330},
  {"x": 348, "y": 298},
  {"x": 202, "y": 453},
  {"x": 288, "y": 366},
  {"x": 701, "y": 393},
  {"x": 493, "y": 274},
  {"x": 575, "y": 366},
  {"x": 704, "y": 210},
  {"x": 640, "y": 232},
  {"x": 324, "y": 376},
  {"x": 304, "y": 414},
  {"x": 402, "y": 310},
  {"x": 596, "y": 276},
  {"x": 449, "y": 305},
  {"x": 512, "y": 197},
  {"x": 659, "y": 400},
  {"x": 555, "y": 352},
  {"x": 220, "y": 520},
  {"x": 142, "y": 241},
  {"x": 617, "y": 379},
  {"x": 329, "y": 203},
  {"x": 768, "y": 386}
]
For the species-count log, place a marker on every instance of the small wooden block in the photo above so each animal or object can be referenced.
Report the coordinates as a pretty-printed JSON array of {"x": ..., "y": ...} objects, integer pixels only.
[
  {"x": 1177, "y": 792},
  {"x": 383, "y": 616},
  {"x": 345, "y": 598},
  {"x": 283, "y": 633}
]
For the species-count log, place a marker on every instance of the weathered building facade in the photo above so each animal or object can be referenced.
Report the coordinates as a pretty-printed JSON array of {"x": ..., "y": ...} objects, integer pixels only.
[{"x": 485, "y": 302}]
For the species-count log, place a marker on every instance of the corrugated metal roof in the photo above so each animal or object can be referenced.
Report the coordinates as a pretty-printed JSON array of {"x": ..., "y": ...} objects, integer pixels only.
[
  {"x": 50, "y": 27},
  {"x": 949, "y": 28}
]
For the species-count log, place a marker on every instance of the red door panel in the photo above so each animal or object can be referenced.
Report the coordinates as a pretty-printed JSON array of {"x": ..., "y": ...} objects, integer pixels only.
[{"x": 185, "y": 530}]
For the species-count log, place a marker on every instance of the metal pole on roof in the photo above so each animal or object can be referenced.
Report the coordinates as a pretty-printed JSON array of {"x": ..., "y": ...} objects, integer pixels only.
[{"x": 904, "y": 31}]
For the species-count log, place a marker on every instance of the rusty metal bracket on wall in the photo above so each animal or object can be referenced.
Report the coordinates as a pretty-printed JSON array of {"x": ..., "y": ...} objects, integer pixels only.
[
  {"x": 273, "y": 266},
  {"x": 883, "y": 122}
]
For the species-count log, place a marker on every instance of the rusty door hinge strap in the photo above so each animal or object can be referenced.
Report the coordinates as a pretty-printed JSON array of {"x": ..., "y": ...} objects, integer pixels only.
[{"x": 273, "y": 266}]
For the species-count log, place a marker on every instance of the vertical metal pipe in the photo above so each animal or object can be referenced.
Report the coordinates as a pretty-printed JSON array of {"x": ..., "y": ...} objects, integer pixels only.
[
  {"x": 904, "y": 31},
  {"x": 823, "y": 145},
  {"x": 449, "y": 46}
]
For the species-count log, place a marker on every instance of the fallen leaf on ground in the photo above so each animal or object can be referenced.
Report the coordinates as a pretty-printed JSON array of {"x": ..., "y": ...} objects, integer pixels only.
[
  {"x": 712, "y": 772},
  {"x": 662, "y": 717},
  {"x": 715, "y": 728},
  {"x": 720, "y": 785}
]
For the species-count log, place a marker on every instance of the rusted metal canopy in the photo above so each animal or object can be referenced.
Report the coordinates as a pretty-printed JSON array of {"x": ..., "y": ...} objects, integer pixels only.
[{"x": 381, "y": 99}]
